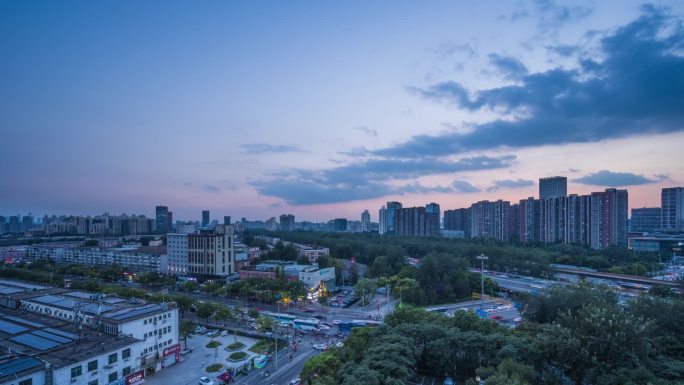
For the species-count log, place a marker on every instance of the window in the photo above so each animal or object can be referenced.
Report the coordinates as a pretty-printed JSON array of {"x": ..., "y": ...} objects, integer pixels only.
[
  {"x": 126, "y": 371},
  {"x": 112, "y": 359},
  {"x": 113, "y": 376},
  {"x": 93, "y": 382},
  {"x": 76, "y": 371},
  {"x": 28, "y": 381},
  {"x": 126, "y": 353},
  {"x": 92, "y": 365}
]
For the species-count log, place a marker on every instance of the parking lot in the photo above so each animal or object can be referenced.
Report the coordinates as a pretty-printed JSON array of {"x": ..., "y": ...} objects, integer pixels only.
[{"x": 192, "y": 365}]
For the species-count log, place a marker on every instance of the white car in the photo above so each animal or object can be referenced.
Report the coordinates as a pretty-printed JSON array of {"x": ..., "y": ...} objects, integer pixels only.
[
  {"x": 205, "y": 381},
  {"x": 323, "y": 327},
  {"x": 319, "y": 347},
  {"x": 336, "y": 322}
]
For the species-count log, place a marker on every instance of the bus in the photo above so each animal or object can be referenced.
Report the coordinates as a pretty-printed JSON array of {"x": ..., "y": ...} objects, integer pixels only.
[
  {"x": 307, "y": 324},
  {"x": 282, "y": 318}
]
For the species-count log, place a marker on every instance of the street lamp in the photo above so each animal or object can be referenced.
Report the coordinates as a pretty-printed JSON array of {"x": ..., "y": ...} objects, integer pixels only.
[{"x": 482, "y": 258}]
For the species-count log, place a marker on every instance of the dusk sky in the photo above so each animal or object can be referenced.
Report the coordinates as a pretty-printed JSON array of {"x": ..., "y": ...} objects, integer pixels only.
[{"x": 324, "y": 109}]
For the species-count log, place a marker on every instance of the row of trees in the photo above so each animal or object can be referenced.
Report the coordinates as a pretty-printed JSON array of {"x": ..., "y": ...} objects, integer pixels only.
[
  {"x": 385, "y": 255},
  {"x": 572, "y": 335}
]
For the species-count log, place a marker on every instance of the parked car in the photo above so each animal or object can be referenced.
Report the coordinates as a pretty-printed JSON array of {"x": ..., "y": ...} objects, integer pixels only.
[
  {"x": 224, "y": 333},
  {"x": 205, "y": 381},
  {"x": 186, "y": 350},
  {"x": 336, "y": 322},
  {"x": 296, "y": 381}
]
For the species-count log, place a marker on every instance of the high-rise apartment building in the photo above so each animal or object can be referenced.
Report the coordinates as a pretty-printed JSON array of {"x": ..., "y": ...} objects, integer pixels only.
[
  {"x": 287, "y": 222},
  {"x": 609, "y": 218},
  {"x": 490, "y": 220},
  {"x": 162, "y": 219},
  {"x": 412, "y": 221},
  {"x": 553, "y": 187},
  {"x": 3, "y": 225},
  {"x": 458, "y": 219},
  {"x": 672, "y": 206},
  {"x": 382, "y": 220},
  {"x": 528, "y": 220},
  {"x": 365, "y": 221},
  {"x": 645, "y": 220},
  {"x": 392, "y": 208},
  {"x": 433, "y": 214},
  {"x": 578, "y": 222},
  {"x": 205, "y": 218},
  {"x": 212, "y": 252}
]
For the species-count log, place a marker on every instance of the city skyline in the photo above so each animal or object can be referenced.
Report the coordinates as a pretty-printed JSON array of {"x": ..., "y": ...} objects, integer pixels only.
[{"x": 254, "y": 115}]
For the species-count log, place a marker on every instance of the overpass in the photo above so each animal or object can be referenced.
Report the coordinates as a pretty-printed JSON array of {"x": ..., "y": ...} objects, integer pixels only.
[{"x": 615, "y": 277}]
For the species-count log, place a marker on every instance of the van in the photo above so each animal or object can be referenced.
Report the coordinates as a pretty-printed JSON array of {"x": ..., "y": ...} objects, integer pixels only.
[{"x": 224, "y": 333}]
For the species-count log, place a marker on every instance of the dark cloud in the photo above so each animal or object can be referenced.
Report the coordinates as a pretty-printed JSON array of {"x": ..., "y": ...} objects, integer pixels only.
[
  {"x": 553, "y": 16},
  {"x": 617, "y": 179},
  {"x": 211, "y": 188},
  {"x": 637, "y": 89},
  {"x": 509, "y": 67},
  {"x": 264, "y": 148},
  {"x": 464, "y": 187},
  {"x": 369, "y": 179},
  {"x": 516, "y": 15},
  {"x": 366, "y": 130},
  {"x": 510, "y": 183}
]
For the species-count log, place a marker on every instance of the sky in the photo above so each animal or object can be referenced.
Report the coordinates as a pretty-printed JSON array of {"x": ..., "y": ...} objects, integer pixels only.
[{"x": 325, "y": 109}]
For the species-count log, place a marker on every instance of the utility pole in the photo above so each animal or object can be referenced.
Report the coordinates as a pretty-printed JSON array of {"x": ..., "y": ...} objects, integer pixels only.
[{"x": 482, "y": 258}]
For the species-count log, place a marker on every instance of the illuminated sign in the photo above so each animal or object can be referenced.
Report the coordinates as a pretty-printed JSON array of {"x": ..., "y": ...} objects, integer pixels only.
[{"x": 135, "y": 377}]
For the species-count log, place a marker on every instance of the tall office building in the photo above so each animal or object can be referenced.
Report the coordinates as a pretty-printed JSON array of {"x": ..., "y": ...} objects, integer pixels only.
[
  {"x": 3, "y": 225},
  {"x": 645, "y": 220},
  {"x": 340, "y": 225},
  {"x": 27, "y": 222},
  {"x": 382, "y": 220},
  {"x": 412, "y": 221},
  {"x": 161, "y": 223},
  {"x": 433, "y": 214},
  {"x": 205, "y": 218},
  {"x": 212, "y": 252},
  {"x": 392, "y": 208},
  {"x": 609, "y": 218},
  {"x": 226, "y": 219},
  {"x": 672, "y": 206},
  {"x": 287, "y": 222},
  {"x": 14, "y": 226},
  {"x": 553, "y": 187},
  {"x": 365, "y": 221}
]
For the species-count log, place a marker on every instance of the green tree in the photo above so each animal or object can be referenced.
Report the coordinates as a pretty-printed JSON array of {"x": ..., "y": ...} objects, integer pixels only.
[
  {"x": 322, "y": 365},
  {"x": 222, "y": 313},
  {"x": 185, "y": 330},
  {"x": 253, "y": 312},
  {"x": 205, "y": 310},
  {"x": 265, "y": 324},
  {"x": 365, "y": 287}
]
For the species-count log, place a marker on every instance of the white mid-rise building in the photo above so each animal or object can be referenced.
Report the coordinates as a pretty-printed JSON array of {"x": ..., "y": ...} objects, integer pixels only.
[
  {"x": 212, "y": 252},
  {"x": 177, "y": 252}
]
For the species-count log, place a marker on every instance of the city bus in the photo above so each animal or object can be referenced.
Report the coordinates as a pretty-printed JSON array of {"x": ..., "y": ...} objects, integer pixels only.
[
  {"x": 307, "y": 324},
  {"x": 280, "y": 318}
]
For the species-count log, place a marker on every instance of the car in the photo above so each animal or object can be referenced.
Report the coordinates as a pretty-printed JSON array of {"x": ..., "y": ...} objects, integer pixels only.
[
  {"x": 319, "y": 316},
  {"x": 497, "y": 317},
  {"x": 339, "y": 344},
  {"x": 205, "y": 381},
  {"x": 224, "y": 333},
  {"x": 296, "y": 381},
  {"x": 323, "y": 327},
  {"x": 336, "y": 322},
  {"x": 319, "y": 346},
  {"x": 309, "y": 310},
  {"x": 186, "y": 351}
]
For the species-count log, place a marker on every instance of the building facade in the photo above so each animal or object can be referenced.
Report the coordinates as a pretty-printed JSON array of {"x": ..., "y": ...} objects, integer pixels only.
[
  {"x": 645, "y": 220},
  {"x": 553, "y": 187},
  {"x": 609, "y": 218},
  {"x": 211, "y": 252},
  {"x": 672, "y": 206}
]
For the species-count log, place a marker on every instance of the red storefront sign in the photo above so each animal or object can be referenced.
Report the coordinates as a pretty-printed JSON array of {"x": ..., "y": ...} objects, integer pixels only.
[
  {"x": 135, "y": 377},
  {"x": 175, "y": 350}
]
